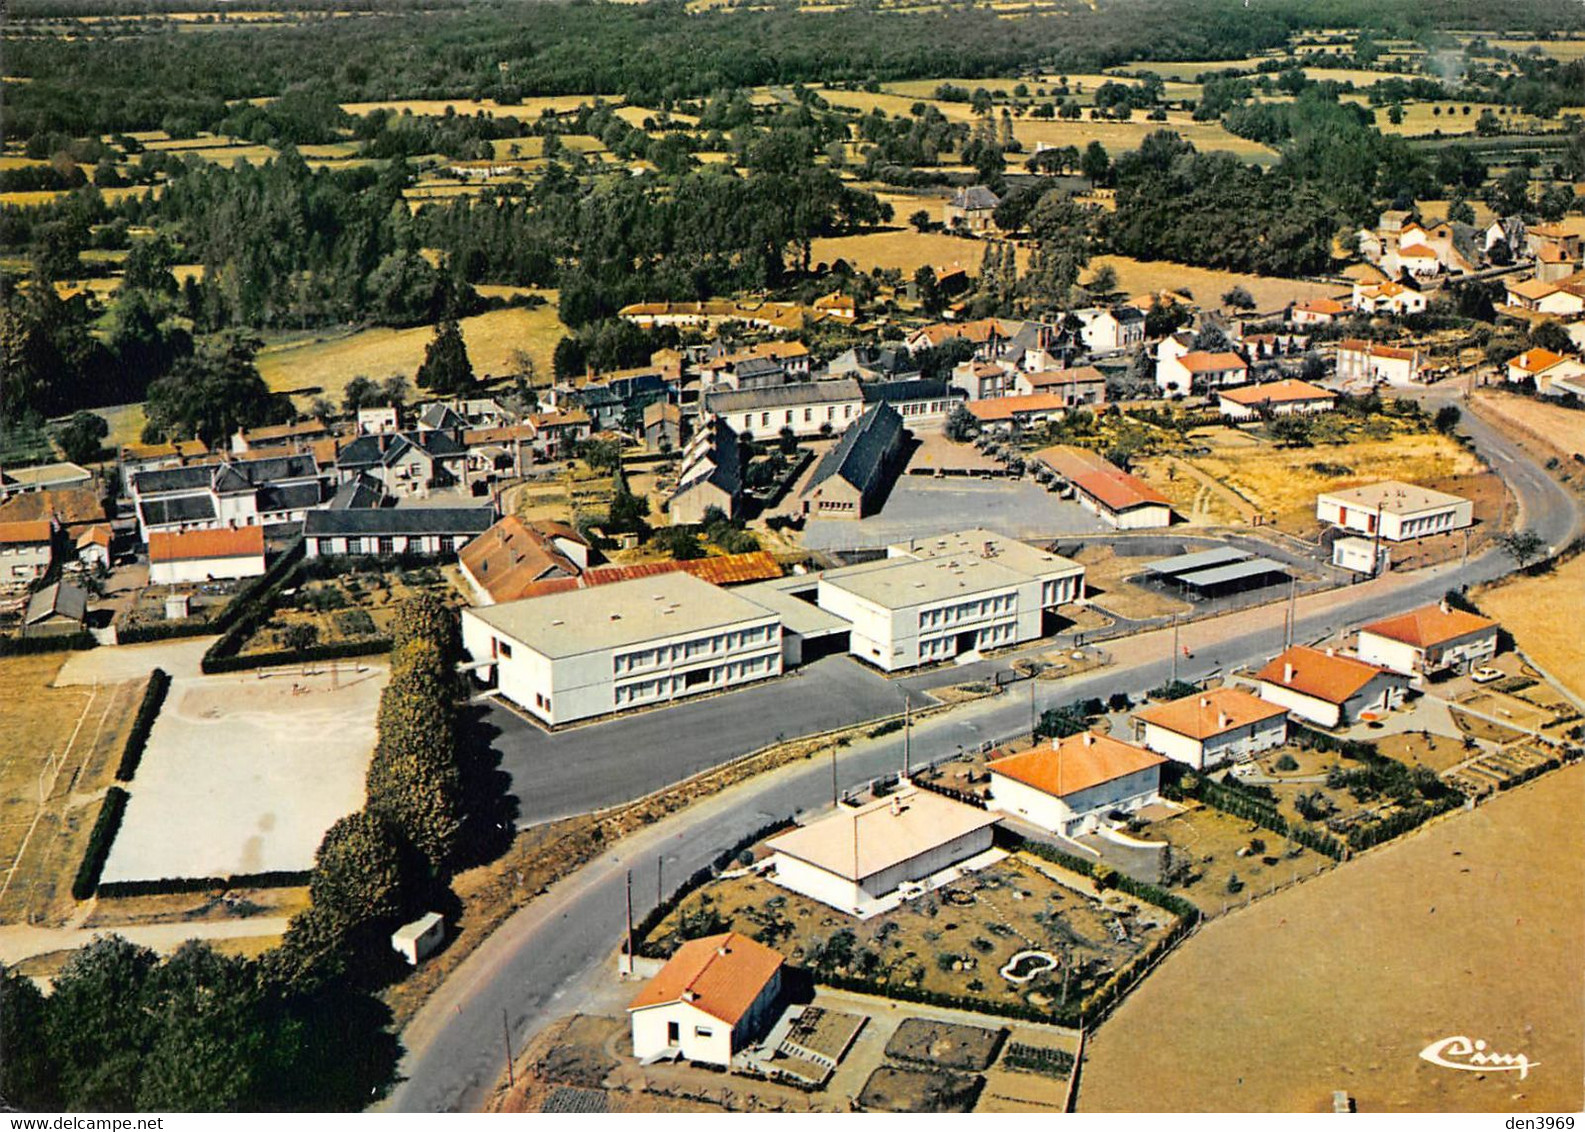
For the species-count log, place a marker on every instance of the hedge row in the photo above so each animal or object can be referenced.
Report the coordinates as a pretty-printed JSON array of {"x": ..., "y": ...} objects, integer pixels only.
[
  {"x": 169, "y": 886},
  {"x": 1138, "y": 889},
  {"x": 164, "y": 631},
  {"x": 106, "y": 826},
  {"x": 254, "y": 592},
  {"x": 59, "y": 642},
  {"x": 153, "y": 697},
  {"x": 1250, "y": 807},
  {"x": 1571, "y": 755},
  {"x": 967, "y": 797},
  {"x": 372, "y": 646},
  {"x": 1364, "y": 836}
]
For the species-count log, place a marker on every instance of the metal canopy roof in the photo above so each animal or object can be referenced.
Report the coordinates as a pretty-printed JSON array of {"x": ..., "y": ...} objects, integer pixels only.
[
  {"x": 1218, "y": 575},
  {"x": 1200, "y": 560}
]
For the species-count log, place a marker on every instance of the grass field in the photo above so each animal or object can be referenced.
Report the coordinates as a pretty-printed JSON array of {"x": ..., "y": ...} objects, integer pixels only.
[
  {"x": 436, "y": 107},
  {"x": 323, "y": 366},
  {"x": 1474, "y": 926},
  {"x": 65, "y": 743},
  {"x": 1120, "y": 136},
  {"x": 1148, "y": 277},
  {"x": 1565, "y": 49},
  {"x": 906, "y": 250},
  {"x": 1542, "y": 613}
]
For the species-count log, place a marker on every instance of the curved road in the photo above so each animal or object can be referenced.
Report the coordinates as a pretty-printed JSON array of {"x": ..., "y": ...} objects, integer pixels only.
[{"x": 563, "y": 941}]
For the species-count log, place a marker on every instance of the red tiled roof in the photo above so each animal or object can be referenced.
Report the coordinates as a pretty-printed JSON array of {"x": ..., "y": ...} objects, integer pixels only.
[
  {"x": 1074, "y": 764},
  {"x": 1099, "y": 478},
  {"x": 1535, "y": 360},
  {"x": 1322, "y": 306},
  {"x": 721, "y": 975},
  {"x": 1203, "y": 361},
  {"x": 1321, "y": 676},
  {"x": 226, "y": 542},
  {"x": 718, "y": 570},
  {"x": 1006, "y": 408},
  {"x": 1429, "y": 625},
  {"x": 1277, "y": 392},
  {"x": 27, "y": 531},
  {"x": 510, "y": 557},
  {"x": 1207, "y": 714}
]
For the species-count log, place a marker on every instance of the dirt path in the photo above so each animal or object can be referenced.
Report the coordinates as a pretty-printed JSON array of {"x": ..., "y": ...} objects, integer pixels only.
[
  {"x": 21, "y": 942},
  {"x": 1473, "y": 927}
]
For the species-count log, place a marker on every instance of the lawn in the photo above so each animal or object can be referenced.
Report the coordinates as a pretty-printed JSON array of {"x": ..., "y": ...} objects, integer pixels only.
[
  {"x": 1118, "y": 137},
  {"x": 355, "y": 606},
  {"x": 1473, "y": 927},
  {"x": 1218, "y": 847},
  {"x": 1205, "y": 286},
  {"x": 905, "y": 249},
  {"x": 65, "y": 742},
  {"x": 1543, "y": 614},
  {"x": 322, "y": 366}
]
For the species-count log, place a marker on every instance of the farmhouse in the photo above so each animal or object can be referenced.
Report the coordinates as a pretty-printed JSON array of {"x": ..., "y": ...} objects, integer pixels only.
[
  {"x": 571, "y": 656},
  {"x": 388, "y": 531},
  {"x": 1199, "y": 370},
  {"x": 1124, "y": 501},
  {"x": 714, "y": 997},
  {"x": 1328, "y": 689},
  {"x": 1318, "y": 312},
  {"x": 1210, "y": 728},
  {"x": 1429, "y": 641},
  {"x": 1542, "y": 367},
  {"x": 711, "y": 475},
  {"x": 26, "y": 551},
  {"x": 1394, "y": 511},
  {"x": 203, "y": 555},
  {"x": 854, "y": 476},
  {"x": 944, "y": 597},
  {"x": 971, "y": 210},
  {"x": 512, "y": 555},
  {"x": 1284, "y": 398},
  {"x": 1370, "y": 363},
  {"x": 1069, "y": 786},
  {"x": 1387, "y": 298},
  {"x": 867, "y": 859}
]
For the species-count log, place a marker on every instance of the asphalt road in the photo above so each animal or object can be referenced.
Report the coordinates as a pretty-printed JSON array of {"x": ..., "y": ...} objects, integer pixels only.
[
  {"x": 589, "y": 768},
  {"x": 563, "y": 941}
]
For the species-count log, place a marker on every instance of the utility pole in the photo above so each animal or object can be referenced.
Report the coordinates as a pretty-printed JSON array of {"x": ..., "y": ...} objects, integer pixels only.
[
  {"x": 1174, "y": 648},
  {"x": 1034, "y": 715},
  {"x": 907, "y": 731},
  {"x": 1293, "y": 593},
  {"x": 834, "y": 798},
  {"x": 506, "y": 1032},
  {"x": 660, "y": 873},
  {"x": 630, "y": 918}
]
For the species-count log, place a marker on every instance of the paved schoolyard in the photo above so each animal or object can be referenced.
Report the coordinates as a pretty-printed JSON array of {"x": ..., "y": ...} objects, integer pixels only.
[
  {"x": 113, "y": 663},
  {"x": 243, "y": 774},
  {"x": 603, "y": 764},
  {"x": 922, "y": 506}
]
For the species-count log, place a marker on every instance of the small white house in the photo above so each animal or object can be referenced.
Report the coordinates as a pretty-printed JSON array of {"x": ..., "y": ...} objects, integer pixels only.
[
  {"x": 1430, "y": 640},
  {"x": 1210, "y": 728},
  {"x": 1394, "y": 511},
  {"x": 198, "y": 556},
  {"x": 711, "y": 999},
  {"x": 1361, "y": 555},
  {"x": 1284, "y": 398},
  {"x": 1328, "y": 689},
  {"x": 1361, "y": 363},
  {"x": 417, "y": 941},
  {"x": 857, "y": 859},
  {"x": 1069, "y": 785}
]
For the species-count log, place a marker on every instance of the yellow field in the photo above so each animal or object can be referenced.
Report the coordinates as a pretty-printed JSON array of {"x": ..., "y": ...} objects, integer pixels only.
[
  {"x": 1120, "y": 136},
  {"x": 126, "y": 423},
  {"x": 1565, "y": 49},
  {"x": 322, "y": 367},
  {"x": 17, "y": 161},
  {"x": 32, "y": 198},
  {"x": 436, "y": 107},
  {"x": 1419, "y": 118},
  {"x": 1353, "y": 75},
  {"x": 906, "y": 250},
  {"x": 1148, "y": 277},
  {"x": 1542, "y": 613},
  {"x": 1474, "y": 926}
]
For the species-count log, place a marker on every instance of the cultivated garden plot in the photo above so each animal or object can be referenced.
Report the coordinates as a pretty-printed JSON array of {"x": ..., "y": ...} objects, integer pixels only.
[
  {"x": 243, "y": 774},
  {"x": 350, "y": 607}
]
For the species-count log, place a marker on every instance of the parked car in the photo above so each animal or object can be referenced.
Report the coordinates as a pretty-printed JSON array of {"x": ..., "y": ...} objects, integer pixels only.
[{"x": 1486, "y": 675}]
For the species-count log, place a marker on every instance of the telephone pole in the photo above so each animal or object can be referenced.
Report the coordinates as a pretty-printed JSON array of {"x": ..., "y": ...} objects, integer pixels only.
[
  {"x": 506, "y": 1032},
  {"x": 907, "y": 731},
  {"x": 1174, "y": 648}
]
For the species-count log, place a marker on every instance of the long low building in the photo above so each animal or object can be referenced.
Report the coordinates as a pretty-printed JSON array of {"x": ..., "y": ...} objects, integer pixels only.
[
  {"x": 590, "y": 652},
  {"x": 199, "y": 556},
  {"x": 1394, "y": 511},
  {"x": 1122, "y": 500},
  {"x": 944, "y": 597},
  {"x": 389, "y": 531},
  {"x": 859, "y": 860}
]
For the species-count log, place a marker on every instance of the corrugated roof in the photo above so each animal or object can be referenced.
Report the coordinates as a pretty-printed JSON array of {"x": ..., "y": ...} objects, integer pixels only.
[
  {"x": 858, "y": 843},
  {"x": 718, "y": 570},
  {"x": 1205, "y": 715},
  {"x": 1199, "y": 560},
  {"x": 1219, "y": 575},
  {"x": 720, "y": 975},
  {"x": 1430, "y": 625},
  {"x": 1068, "y": 766},
  {"x": 186, "y": 546}
]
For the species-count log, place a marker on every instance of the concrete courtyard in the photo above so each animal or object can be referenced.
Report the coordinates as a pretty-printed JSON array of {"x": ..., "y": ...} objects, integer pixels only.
[{"x": 243, "y": 774}]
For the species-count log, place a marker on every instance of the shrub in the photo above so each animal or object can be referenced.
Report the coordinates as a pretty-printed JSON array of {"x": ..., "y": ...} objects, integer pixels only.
[
  {"x": 138, "y": 737},
  {"x": 1287, "y": 763},
  {"x": 106, "y": 826}
]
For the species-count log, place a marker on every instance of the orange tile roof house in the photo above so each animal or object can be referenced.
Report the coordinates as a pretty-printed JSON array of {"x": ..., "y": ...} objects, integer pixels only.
[
  {"x": 1214, "y": 727},
  {"x": 1543, "y": 367},
  {"x": 1283, "y": 398},
  {"x": 203, "y": 555},
  {"x": 1198, "y": 370},
  {"x": 865, "y": 860},
  {"x": 1124, "y": 501},
  {"x": 1328, "y": 689},
  {"x": 1069, "y": 785},
  {"x": 501, "y": 563},
  {"x": 711, "y": 999},
  {"x": 1429, "y": 641},
  {"x": 26, "y": 548},
  {"x": 1319, "y": 311}
]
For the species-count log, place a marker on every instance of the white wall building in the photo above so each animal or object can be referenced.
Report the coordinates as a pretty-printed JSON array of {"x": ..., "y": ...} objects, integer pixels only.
[
  {"x": 1210, "y": 728},
  {"x": 1371, "y": 363},
  {"x": 943, "y": 597},
  {"x": 200, "y": 556},
  {"x": 858, "y": 859},
  {"x": 714, "y": 997},
  {"x": 1068, "y": 786},
  {"x": 570, "y": 656},
  {"x": 1331, "y": 690},
  {"x": 1394, "y": 511},
  {"x": 1429, "y": 640}
]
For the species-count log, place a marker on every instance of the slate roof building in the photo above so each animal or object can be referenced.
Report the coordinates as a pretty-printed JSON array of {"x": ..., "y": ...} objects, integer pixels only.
[
  {"x": 389, "y": 531},
  {"x": 852, "y": 479},
  {"x": 58, "y": 606},
  {"x": 711, "y": 475},
  {"x": 406, "y": 463},
  {"x": 231, "y": 493}
]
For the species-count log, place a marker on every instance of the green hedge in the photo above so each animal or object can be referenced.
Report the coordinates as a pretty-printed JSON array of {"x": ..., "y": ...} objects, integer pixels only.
[
  {"x": 339, "y": 651},
  {"x": 60, "y": 642},
  {"x": 255, "y": 591},
  {"x": 1138, "y": 889},
  {"x": 153, "y": 697},
  {"x": 1364, "y": 836},
  {"x": 164, "y": 631},
  {"x": 106, "y": 826},
  {"x": 169, "y": 886}
]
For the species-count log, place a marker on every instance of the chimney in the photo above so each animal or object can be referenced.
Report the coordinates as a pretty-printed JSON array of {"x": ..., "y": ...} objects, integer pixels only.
[
  {"x": 897, "y": 806},
  {"x": 722, "y": 951},
  {"x": 1089, "y": 738},
  {"x": 1444, "y": 606},
  {"x": 1330, "y": 651},
  {"x": 1205, "y": 701},
  {"x": 1287, "y": 673},
  {"x": 1223, "y": 720}
]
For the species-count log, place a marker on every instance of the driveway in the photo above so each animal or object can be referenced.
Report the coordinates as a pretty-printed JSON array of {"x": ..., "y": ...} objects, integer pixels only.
[
  {"x": 603, "y": 764},
  {"x": 113, "y": 664},
  {"x": 921, "y": 506}
]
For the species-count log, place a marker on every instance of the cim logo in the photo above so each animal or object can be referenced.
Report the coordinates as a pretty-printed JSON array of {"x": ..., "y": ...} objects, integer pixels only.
[{"x": 1473, "y": 1057}]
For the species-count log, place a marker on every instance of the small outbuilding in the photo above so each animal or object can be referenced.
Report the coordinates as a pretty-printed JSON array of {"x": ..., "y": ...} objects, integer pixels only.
[{"x": 418, "y": 940}]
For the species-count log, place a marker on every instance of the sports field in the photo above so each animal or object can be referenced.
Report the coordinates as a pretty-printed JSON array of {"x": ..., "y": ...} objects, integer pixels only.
[{"x": 1473, "y": 927}]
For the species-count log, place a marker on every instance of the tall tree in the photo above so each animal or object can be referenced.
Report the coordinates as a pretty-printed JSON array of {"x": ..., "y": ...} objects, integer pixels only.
[
  {"x": 211, "y": 394},
  {"x": 27, "y": 1071},
  {"x": 446, "y": 369},
  {"x": 101, "y": 1023},
  {"x": 357, "y": 879}
]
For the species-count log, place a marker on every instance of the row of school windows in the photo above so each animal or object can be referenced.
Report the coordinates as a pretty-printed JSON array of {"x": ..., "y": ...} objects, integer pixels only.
[
  {"x": 717, "y": 645},
  {"x": 384, "y": 545},
  {"x": 977, "y": 610}
]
